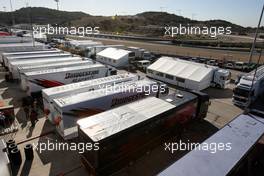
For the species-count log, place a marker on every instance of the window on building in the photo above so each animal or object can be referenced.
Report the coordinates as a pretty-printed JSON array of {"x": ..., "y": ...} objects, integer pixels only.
[
  {"x": 160, "y": 74},
  {"x": 169, "y": 77},
  {"x": 180, "y": 80},
  {"x": 150, "y": 71},
  {"x": 132, "y": 54}
]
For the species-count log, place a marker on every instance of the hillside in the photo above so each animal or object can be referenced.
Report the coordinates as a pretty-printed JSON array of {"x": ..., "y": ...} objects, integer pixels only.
[
  {"x": 147, "y": 23},
  {"x": 41, "y": 15}
]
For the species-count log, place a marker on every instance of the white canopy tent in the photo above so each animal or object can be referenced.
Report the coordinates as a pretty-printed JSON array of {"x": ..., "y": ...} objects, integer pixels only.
[
  {"x": 181, "y": 73},
  {"x": 114, "y": 57}
]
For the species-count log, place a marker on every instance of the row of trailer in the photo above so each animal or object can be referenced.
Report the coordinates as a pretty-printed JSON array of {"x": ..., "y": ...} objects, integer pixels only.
[
  {"x": 122, "y": 114},
  {"x": 84, "y": 99},
  {"x": 36, "y": 70}
]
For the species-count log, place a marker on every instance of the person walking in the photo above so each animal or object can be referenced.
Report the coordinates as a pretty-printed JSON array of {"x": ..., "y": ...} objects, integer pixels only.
[
  {"x": 26, "y": 109},
  {"x": 33, "y": 117},
  {"x": 34, "y": 113}
]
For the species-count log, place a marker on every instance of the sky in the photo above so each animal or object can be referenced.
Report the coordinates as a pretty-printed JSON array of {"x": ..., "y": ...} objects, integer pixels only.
[{"x": 241, "y": 12}]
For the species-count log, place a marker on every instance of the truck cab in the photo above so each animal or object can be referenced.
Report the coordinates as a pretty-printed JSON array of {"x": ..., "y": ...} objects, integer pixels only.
[
  {"x": 221, "y": 78},
  {"x": 249, "y": 88},
  {"x": 143, "y": 64}
]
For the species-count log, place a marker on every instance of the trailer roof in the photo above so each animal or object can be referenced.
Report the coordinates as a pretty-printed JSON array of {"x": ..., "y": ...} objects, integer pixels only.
[
  {"x": 108, "y": 123},
  {"x": 105, "y": 46},
  {"x": 181, "y": 68},
  {"x": 57, "y": 64},
  {"x": 15, "y": 39},
  {"x": 43, "y": 60},
  {"x": 14, "y": 45},
  {"x": 30, "y": 52},
  {"x": 243, "y": 133},
  {"x": 64, "y": 88},
  {"x": 64, "y": 69},
  {"x": 84, "y": 43},
  {"x": 41, "y": 55},
  {"x": 113, "y": 53},
  {"x": 73, "y": 99}
]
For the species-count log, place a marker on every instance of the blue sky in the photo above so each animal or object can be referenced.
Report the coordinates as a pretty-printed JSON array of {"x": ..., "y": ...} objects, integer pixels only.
[{"x": 242, "y": 12}]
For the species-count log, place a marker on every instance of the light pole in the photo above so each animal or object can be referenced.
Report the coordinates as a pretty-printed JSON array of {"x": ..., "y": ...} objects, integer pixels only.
[
  {"x": 57, "y": 1},
  {"x": 255, "y": 38},
  {"x": 12, "y": 13}
]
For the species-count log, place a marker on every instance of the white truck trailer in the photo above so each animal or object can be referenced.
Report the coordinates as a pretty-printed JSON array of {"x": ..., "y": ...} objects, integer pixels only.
[
  {"x": 72, "y": 108},
  {"x": 75, "y": 88},
  {"x": 20, "y": 47},
  {"x": 249, "y": 87},
  {"x": 138, "y": 51},
  {"x": 21, "y": 70},
  {"x": 38, "y": 56},
  {"x": 41, "y": 61},
  {"x": 13, "y": 54},
  {"x": 34, "y": 82}
]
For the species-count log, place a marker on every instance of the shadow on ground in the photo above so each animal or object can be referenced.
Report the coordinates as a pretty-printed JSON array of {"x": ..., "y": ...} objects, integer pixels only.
[{"x": 215, "y": 93}]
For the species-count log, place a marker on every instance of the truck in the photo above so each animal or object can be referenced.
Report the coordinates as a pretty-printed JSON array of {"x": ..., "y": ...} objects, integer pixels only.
[
  {"x": 140, "y": 53},
  {"x": 47, "y": 51},
  {"x": 25, "y": 57},
  {"x": 33, "y": 82},
  {"x": 71, "y": 108},
  {"x": 188, "y": 75},
  {"x": 123, "y": 134},
  {"x": 249, "y": 87},
  {"x": 143, "y": 64},
  {"x": 37, "y": 62},
  {"x": 75, "y": 88}
]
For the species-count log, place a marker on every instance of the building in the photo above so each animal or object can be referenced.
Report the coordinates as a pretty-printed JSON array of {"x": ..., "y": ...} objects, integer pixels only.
[
  {"x": 115, "y": 57},
  {"x": 182, "y": 73},
  {"x": 81, "y": 44}
]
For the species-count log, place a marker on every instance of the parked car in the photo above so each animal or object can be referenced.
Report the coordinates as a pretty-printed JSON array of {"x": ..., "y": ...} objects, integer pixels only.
[
  {"x": 241, "y": 65},
  {"x": 194, "y": 59},
  {"x": 203, "y": 60},
  {"x": 212, "y": 62},
  {"x": 229, "y": 65}
]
